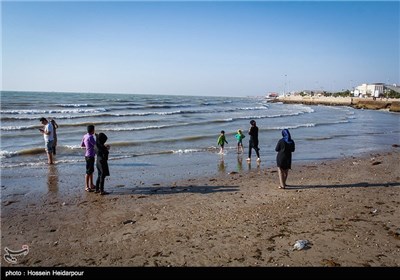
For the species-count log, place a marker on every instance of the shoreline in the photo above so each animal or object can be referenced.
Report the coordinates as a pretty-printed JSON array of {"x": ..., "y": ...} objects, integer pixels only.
[
  {"x": 348, "y": 209},
  {"x": 392, "y": 105}
]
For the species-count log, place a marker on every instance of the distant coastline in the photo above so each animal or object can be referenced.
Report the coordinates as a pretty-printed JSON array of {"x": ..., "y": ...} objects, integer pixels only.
[{"x": 392, "y": 105}]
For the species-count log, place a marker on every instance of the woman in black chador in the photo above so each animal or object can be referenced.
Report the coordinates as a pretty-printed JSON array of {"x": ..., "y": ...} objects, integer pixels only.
[
  {"x": 285, "y": 147},
  {"x": 101, "y": 162}
]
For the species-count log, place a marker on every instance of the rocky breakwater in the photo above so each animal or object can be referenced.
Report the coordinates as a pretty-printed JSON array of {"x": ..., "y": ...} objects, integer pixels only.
[
  {"x": 395, "y": 106},
  {"x": 392, "y": 105},
  {"x": 315, "y": 100}
]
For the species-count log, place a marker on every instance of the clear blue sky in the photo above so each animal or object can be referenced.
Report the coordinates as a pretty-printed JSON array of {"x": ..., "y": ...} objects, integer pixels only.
[{"x": 198, "y": 48}]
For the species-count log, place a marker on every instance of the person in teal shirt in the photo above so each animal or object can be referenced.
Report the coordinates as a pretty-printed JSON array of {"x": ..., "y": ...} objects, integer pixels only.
[{"x": 239, "y": 137}]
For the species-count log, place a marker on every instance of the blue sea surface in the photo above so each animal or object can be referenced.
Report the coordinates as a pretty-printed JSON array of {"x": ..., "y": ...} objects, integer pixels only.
[{"x": 167, "y": 138}]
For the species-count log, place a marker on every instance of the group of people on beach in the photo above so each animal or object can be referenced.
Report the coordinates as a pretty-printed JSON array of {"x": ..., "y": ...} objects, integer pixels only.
[
  {"x": 253, "y": 142},
  {"x": 93, "y": 147},
  {"x": 285, "y": 147}
]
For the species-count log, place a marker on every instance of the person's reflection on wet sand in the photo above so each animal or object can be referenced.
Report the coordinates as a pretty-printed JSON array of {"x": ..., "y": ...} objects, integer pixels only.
[
  {"x": 52, "y": 178},
  {"x": 221, "y": 165},
  {"x": 257, "y": 167},
  {"x": 239, "y": 163}
]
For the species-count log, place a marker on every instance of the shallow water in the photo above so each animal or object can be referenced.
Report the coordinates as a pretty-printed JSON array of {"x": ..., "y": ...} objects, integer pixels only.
[{"x": 156, "y": 138}]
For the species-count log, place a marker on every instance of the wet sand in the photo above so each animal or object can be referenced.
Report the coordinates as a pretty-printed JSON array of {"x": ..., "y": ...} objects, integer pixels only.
[{"x": 348, "y": 210}]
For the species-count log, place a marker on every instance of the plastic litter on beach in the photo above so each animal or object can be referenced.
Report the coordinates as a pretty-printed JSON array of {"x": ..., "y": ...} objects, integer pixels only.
[
  {"x": 129, "y": 222},
  {"x": 301, "y": 244}
]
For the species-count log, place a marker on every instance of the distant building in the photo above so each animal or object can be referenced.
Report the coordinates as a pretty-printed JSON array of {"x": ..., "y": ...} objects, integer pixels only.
[
  {"x": 367, "y": 90},
  {"x": 312, "y": 93},
  {"x": 393, "y": 87}
]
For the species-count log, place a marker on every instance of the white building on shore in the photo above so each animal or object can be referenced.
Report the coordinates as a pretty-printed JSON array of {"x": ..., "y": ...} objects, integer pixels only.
[{"x": 368, "y": 90}]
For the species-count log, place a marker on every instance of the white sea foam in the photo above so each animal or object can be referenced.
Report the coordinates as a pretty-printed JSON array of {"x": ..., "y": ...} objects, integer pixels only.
[
  {"x": 74, "y": 105},
  {"x": 7, "y": 154},
  {"x": 6, "y": 128},
  {"x": 186, "y": 151},
  {"x": 53, "y": 111}
]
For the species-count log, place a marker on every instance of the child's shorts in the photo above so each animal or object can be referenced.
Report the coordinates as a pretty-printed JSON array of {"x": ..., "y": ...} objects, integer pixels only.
[{"x": 89, "y": 165}]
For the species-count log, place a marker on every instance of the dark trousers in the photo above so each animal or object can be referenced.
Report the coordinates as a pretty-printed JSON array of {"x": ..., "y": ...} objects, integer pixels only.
[
  {"x": 254, "y": 146},
  {"x": 100, "y": 180}
]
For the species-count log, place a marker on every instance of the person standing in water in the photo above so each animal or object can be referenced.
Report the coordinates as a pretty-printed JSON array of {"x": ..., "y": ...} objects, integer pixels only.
[
  {"x": 47, "y": 132},
  {"x": 253, "y": 141},
  {"x": 55, "y": 126},
  {"x": 103, "y": 171},
  {"x": 221, "y": 141},
  {"x": 239, "y": 137}
]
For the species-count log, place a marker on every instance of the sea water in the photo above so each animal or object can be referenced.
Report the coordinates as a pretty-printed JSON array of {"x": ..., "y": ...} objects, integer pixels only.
[{"x": 168, "y": 137}]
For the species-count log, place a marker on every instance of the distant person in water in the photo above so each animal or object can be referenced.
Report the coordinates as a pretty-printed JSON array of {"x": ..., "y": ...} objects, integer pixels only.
[
  {"x": 221, "y": 141},
  {"x": 285, "y": 147},
  {"x": 55, "y": 126},
  {"x": 47, "y": 132},
  {"x": 88, "y": 142},
  {"x": 239, "y": 137},
  {"x": 103, "y": 171},
  {"x": 253, "y": 141}
]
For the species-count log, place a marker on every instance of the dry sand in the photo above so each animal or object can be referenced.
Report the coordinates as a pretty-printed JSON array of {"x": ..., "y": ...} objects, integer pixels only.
[{"x": 347, "y": 209}]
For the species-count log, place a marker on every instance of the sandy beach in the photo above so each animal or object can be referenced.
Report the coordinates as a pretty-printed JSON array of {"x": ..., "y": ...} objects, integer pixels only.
[{"x": 347, "y": 209}]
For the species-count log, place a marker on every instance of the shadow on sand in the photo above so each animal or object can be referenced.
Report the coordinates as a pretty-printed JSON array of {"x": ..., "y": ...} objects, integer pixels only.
[
  {"x": 157, "y": 190},
  {"x": 337, "y": 186}
]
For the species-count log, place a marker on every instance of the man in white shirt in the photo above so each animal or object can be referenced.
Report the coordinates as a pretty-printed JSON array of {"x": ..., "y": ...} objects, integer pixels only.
[{"x": 48, "y": 136}]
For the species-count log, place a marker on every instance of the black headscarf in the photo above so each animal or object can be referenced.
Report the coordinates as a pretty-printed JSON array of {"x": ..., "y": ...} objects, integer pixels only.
[{"x": 102, "y": 138}]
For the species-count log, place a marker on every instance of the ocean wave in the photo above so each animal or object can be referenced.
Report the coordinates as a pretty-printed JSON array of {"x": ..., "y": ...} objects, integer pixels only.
[
  {"x": 23, "y": 164},
  {"x": 289, "y": 126},
  {"x": 117, "y": 124},
  {"x": 29, "y": 118},
  {"x": 80, "y": 124},
  {"x": 31, "y": 151},
  {"x": 318, "y": 138},
  {"x": 74, "y": 105},
  {"x": 112, "y": 158},
  {"x": 305, "y": 125},
  {"x": 72, "y": 147},
  {"x": 7, "y": 154},
  {"x": 39, "y": 163},
  {"x": 155, "y": 141},
  {"x": 51, "y": 111},
  {"x": 186, "y": 151},
  {"x": 11, "y": 115},
  {"x": 12, "y": 127},
  {"x": 144, "y": 127},
  {"x": 62, "y": 149}
]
